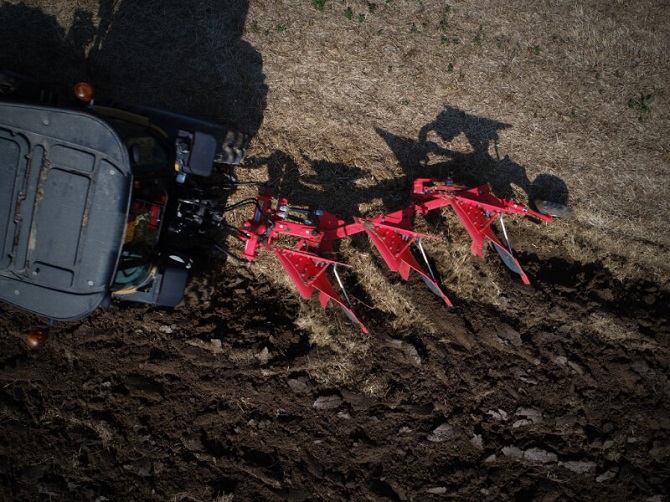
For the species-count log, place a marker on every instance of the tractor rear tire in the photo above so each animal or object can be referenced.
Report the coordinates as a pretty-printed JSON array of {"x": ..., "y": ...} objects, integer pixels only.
[{"x": 233, "y": 148}]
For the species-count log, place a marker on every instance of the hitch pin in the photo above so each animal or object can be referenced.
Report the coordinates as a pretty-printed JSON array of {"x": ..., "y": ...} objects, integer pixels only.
[
  {"x": 339, "y": 281},
  {"x": 425, "y": 258}
]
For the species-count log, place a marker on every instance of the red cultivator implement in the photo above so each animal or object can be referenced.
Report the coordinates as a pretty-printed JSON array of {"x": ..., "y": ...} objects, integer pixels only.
[{"x": 310, "y": 261}]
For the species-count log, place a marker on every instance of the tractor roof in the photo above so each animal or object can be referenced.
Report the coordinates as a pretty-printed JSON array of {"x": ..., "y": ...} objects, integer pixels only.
[{"x": 64, "y": 197}]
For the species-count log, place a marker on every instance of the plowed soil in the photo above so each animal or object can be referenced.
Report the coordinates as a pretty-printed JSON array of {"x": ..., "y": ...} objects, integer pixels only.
[{"x": 565, "y": 400}]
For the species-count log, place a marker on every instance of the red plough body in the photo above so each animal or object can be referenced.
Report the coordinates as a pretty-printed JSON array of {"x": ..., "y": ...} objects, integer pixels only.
[
  {"x": 476, "y": 208},
  {"x": 308, "y": 263}
]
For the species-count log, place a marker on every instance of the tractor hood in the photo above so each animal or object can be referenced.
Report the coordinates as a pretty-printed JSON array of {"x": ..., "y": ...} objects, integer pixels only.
[{"x": 65, "y": 185}]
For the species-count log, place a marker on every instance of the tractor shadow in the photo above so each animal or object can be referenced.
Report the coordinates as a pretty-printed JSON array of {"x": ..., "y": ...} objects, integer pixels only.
[
  {"x": 47, "y": 52},
  {"x": 186, "y": 58}
]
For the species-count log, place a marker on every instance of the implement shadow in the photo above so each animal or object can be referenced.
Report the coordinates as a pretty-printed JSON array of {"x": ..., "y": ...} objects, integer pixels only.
[
  {"x": 341, "y": 189},
  {"x": 181, "y": 56},
  {"x": 332, "y": 186},
  {"x": 473, "y": 168}
]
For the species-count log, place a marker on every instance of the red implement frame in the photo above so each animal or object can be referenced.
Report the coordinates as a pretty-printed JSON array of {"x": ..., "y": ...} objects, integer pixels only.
[
  {"x": 476, "y": 208},
  {"x": 392, "y": 234}
]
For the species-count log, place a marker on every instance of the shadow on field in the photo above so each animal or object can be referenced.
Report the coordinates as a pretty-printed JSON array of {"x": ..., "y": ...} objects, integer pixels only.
[
  {"x": 332, "y": 186},
  {"x": 335, "y": 187},
  {"x": 185, "y": 57},
  {"x": 475, "y": 167}
]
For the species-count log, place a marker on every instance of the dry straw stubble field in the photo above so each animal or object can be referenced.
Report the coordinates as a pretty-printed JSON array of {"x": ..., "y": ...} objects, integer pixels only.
[{"x": 510, "y": 94}]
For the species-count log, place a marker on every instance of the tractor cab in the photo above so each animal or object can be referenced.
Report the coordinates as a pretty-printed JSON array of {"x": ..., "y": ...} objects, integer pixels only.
[
  {"x": 82, "y": 205},
  {"x": 98, "y": 198}
]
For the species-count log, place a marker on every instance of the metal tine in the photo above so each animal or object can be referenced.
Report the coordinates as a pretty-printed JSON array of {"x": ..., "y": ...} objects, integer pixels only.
[
  {"x": 339, "y": 281},
  {"x": 425, "y": 258},
  {"x": 502, "y": 225}
]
